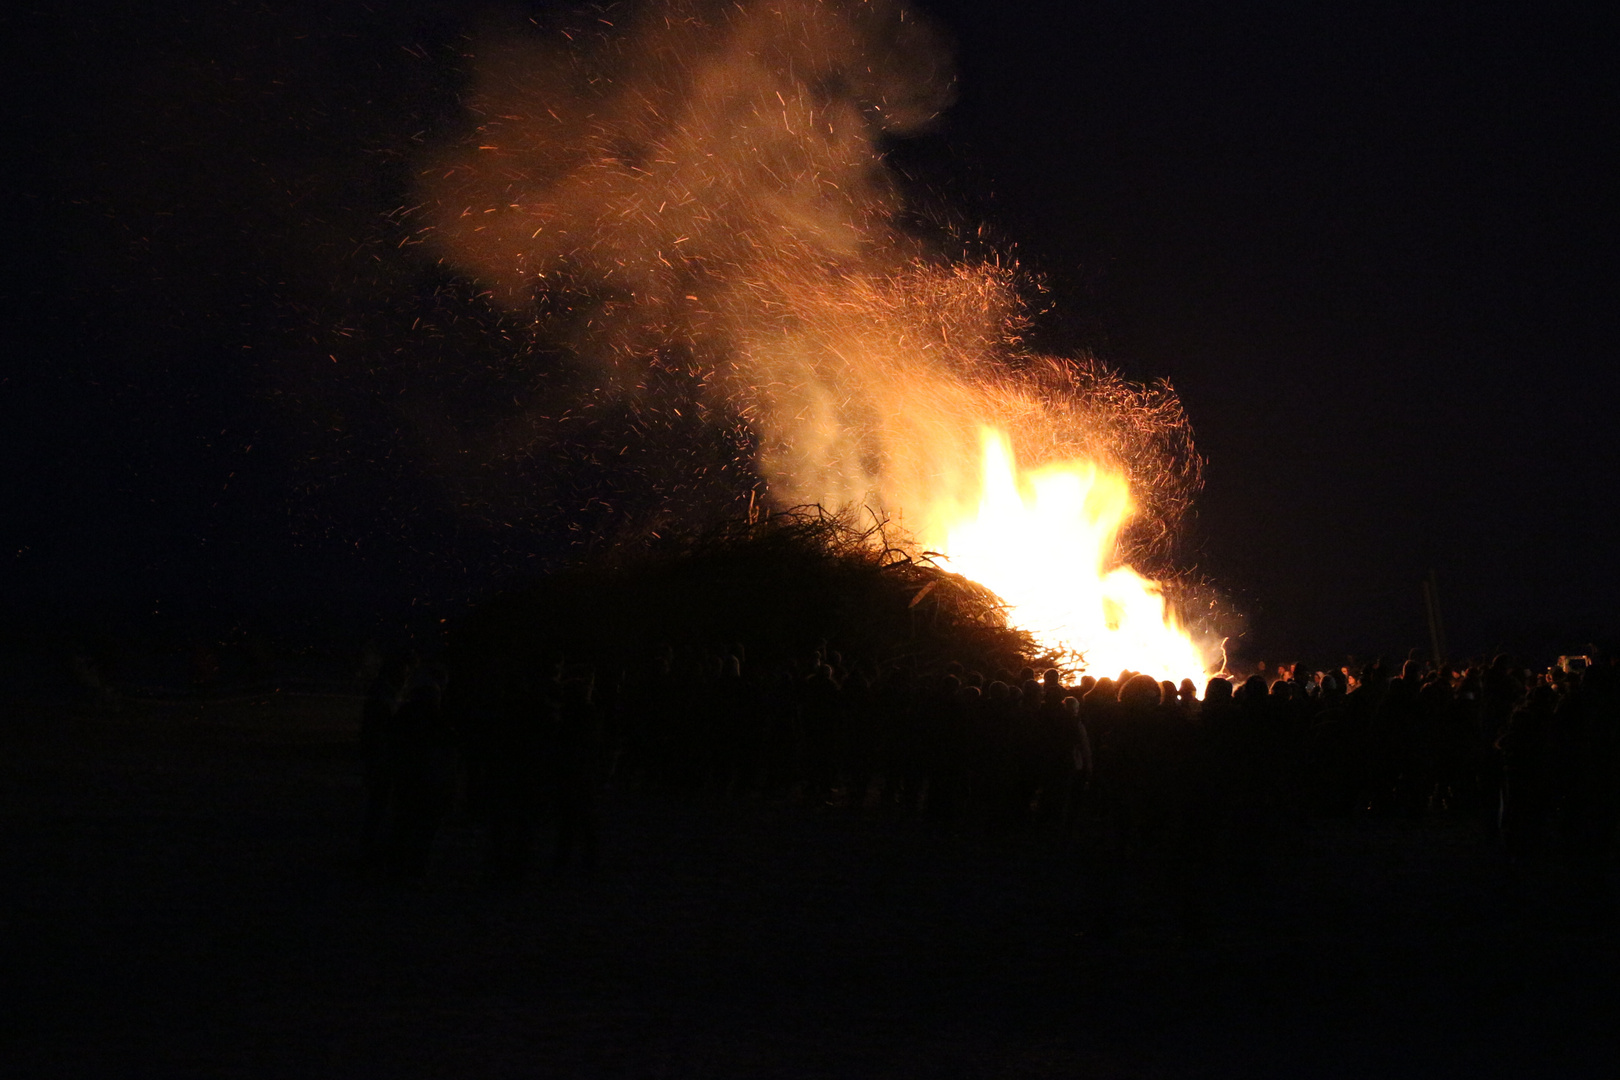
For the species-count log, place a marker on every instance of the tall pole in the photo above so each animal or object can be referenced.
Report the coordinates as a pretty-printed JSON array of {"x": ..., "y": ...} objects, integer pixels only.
[{"x": 1437, "y": 627}]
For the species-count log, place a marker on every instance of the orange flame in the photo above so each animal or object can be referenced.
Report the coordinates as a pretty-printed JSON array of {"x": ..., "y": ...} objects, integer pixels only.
[
  {"x": 706, "y": 186},
  {"x": 1046, "y": 542}
]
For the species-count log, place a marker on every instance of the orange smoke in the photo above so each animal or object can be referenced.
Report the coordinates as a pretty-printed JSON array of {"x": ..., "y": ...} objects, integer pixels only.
[{"x": 705, "y": 187}]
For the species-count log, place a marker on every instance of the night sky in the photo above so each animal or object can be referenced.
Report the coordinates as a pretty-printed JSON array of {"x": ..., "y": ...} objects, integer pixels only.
[{"x": 1373, "y": 248}]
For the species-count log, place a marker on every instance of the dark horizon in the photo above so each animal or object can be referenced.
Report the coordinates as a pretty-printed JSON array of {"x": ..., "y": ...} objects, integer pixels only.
[{"x": 1372, "y": 248}]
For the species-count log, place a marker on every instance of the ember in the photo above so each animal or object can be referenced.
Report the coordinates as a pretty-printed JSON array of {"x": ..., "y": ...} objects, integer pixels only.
[{"x": 704, "y": 190}]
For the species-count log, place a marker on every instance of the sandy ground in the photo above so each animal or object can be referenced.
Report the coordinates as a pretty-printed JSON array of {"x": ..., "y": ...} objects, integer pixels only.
[{"x": 179, "y": 899}]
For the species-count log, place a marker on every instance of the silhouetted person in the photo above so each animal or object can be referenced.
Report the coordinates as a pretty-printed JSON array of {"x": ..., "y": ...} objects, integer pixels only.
[
  {"x": 518, "y": 769},
  {"x": 376, "y": 753},
  {"x": 1218, "y": 743},
  {"x": 1082, "y": 763},
  {"x": 1137, "y": 762},
  {"x": 422, "y": 764},
  {"x": 1586, "y": 725},
  {"x": 577, "y": 752},
  {"x": 1251, "y": 745},
  {"x": 945, "y": 733},
  {"x": 1527, "y": 769},
  {"x": 729, "y": 724},
  {"x": 821, "y": 704},
  {"x": 1099, "y": 710},
  {"x": 1333, "y": 771}
]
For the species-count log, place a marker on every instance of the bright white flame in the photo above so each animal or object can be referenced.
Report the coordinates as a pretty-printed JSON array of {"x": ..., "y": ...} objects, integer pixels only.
[
  {"x": 708, "y": 185},
  {"x": 1046, "y": 541}
]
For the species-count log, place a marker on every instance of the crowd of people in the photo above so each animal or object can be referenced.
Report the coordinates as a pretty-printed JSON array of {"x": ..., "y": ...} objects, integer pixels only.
[{"x": 527, "y": 748}]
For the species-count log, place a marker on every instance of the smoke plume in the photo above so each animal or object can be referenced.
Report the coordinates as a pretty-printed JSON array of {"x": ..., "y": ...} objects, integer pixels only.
[{"x": 701, "y": 188}]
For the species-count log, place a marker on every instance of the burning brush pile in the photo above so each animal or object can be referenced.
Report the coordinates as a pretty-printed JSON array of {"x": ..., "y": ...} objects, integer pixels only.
[
  {"x": 698, "y": 194},
  {"x": 783, "y": 587}
]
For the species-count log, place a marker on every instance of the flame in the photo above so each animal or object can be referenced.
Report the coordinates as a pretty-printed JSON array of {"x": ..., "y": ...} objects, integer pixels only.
[
  {"x": 1046, "y": 541},
  {"x": 703, "y": 191}
]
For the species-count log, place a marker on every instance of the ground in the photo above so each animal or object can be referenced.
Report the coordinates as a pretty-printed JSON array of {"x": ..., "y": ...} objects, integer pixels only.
[{"x": 179, "y": 898}]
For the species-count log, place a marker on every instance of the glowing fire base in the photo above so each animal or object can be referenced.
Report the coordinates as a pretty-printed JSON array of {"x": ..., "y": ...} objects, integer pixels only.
[{"x": 1046, "y": 542}]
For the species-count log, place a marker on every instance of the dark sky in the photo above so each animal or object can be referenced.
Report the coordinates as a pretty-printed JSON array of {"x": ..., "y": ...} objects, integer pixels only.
[{"x": 1373, "y": 247}]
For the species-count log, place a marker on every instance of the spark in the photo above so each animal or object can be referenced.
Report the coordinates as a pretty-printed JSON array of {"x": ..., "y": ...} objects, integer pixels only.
[{"x": 864, "y": 365}]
